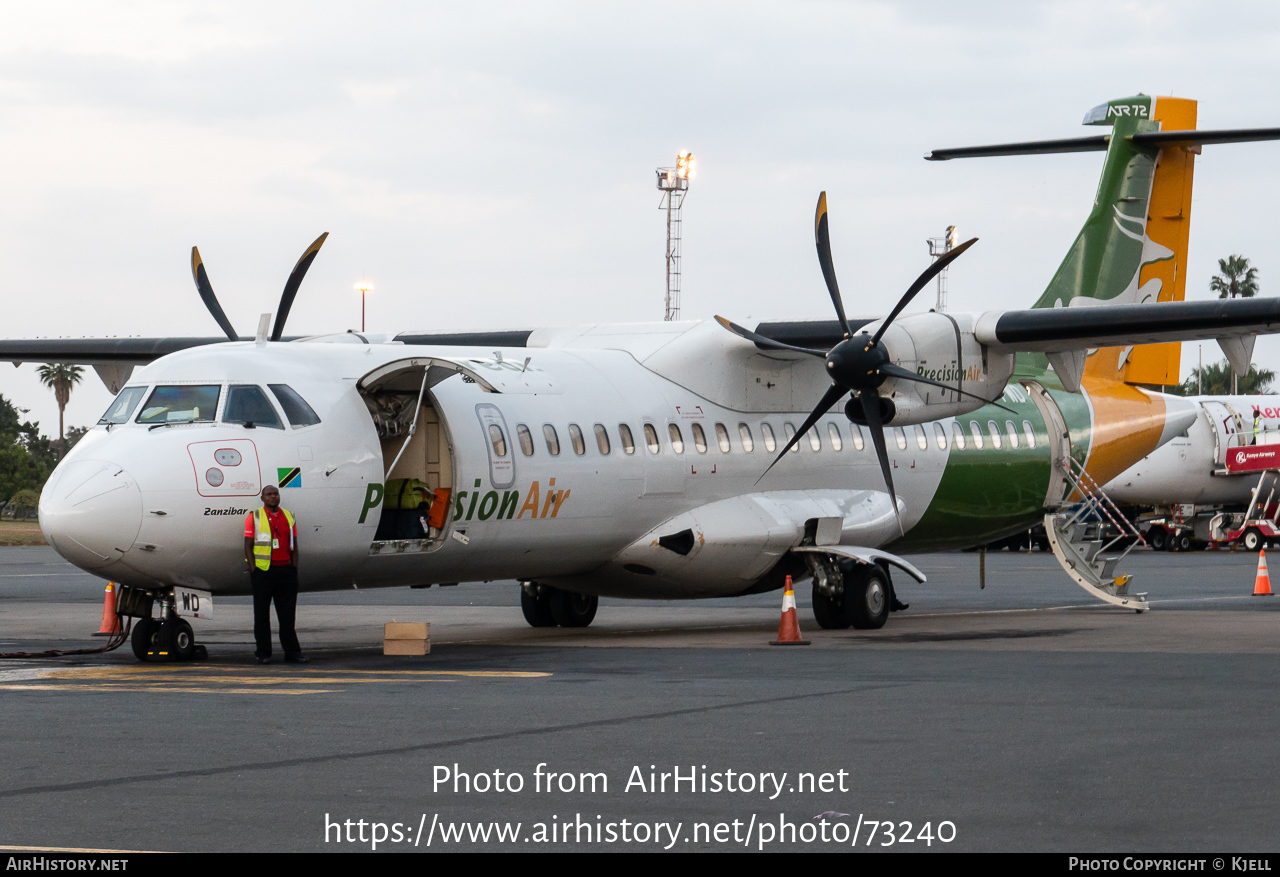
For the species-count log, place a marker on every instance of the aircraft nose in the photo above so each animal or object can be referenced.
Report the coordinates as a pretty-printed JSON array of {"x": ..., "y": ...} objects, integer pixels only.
[{"x": 91, "y": 512}]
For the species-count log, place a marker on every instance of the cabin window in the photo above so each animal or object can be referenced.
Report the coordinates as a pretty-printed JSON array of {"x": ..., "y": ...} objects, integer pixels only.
[
  {"x": 247, "y": 404},
  {"x": 941, "y": 435},
  {"x": 833, "y": 433},
  {"x": 553, "y": 440},
  {"x": 122, "y": 408},
  {"x": 995, "y": 433},
  {"x": 602, "y": 439},
  {"x": 722, "y": 438},
  {"x": 296, "y": 409},
  {"x": 628, "y": 442},
  {"x": 575, "y": 436},
  {"x": 744, "y": 433},
  {"x": 1012, "y": 432},
  {"x": 856, "y": 432},
  {"x": 181, "y": 405},
  {"x": 815, "y": 440},
  {"x": 922, "y": 440},
  {"x": 699, "y": 438},
  {"x": 498, "y": 440},
  {"x": 677, "y": 440},
  {"x": 1030, "y": 432},
  {"x": 900, "y": 437},
  {"x": 791, "y": 432},
  {"x": 526, "y": 439},
  {"x": 651, "y": 438},
  {"x": 976, "y": 432},
  {"x": 957, "y": 433},
  {"x": 770, "y": 443}
]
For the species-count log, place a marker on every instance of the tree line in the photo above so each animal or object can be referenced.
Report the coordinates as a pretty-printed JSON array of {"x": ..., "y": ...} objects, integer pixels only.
[{"x": 26, "y": 459}]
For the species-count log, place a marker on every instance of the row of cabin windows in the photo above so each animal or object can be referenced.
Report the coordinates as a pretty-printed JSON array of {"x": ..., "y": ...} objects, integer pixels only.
[{"x": 675, "y": 437}]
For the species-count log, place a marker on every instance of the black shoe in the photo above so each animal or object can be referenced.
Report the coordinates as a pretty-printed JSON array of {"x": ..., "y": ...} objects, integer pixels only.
[
  {"x": 898, "y": 605},
  {"x": 296, "y": 659},
  {"x": 262, "y": 660}
]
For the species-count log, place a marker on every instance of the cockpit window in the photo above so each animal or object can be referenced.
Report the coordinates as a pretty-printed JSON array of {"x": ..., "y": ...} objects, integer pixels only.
[
  {"x": 180, "y": 405},
  {"x": 247, "y": 404},
  {"x": 300, "y": 414},
  {"x": 122, "y": 408}
]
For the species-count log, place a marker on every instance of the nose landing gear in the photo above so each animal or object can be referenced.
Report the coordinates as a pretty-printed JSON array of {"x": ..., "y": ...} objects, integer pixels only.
[{"x": 167, "y": 638}]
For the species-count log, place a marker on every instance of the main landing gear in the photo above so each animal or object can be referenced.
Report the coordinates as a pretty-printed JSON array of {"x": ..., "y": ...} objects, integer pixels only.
[
  {"x": 850, "y": 594},
  {"x": 167, "y": 638},
  {"x": 545, "y": 606}
]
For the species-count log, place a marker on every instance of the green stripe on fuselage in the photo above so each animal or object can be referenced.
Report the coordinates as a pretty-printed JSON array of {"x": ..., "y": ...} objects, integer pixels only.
[{"x": 988, "y": 493}]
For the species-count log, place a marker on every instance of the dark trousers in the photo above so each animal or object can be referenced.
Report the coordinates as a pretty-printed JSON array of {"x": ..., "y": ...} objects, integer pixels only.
[{"x": 278, "y": 583}]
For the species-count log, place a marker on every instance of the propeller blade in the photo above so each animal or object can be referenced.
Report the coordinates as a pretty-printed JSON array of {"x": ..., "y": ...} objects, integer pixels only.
[
  {"x": 833, "y": 395},
  {"x": 206, "y": 294},
  {"x": 823, "y": 239},
  {"x": 294, "y": 281},
  {"x": 766, "y": 342},
  {"x": 929, "y": 273},
  {"x": 898, "y": 371},
  {"x": 871, "y": 411}
]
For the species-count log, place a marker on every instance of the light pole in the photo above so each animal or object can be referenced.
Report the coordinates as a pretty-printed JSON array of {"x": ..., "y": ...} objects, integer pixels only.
[
  {"x": 673, "y": 182},
  {"x": 364, "y": 286}
]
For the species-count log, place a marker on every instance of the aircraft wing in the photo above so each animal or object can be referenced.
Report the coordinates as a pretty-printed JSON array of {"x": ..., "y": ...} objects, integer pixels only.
[
  {"x": 1057, "y": 330},
  {"x": 96, "y": 351}
]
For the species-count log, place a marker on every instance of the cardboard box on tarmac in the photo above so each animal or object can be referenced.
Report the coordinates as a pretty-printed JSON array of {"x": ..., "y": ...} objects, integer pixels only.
[{"x": 406, "y": 638}]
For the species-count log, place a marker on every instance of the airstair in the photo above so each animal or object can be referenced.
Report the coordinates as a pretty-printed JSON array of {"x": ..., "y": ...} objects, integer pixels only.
[{"x": 1091, "y": 537}]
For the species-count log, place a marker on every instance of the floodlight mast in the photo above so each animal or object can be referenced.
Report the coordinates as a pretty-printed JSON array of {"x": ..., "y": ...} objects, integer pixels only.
[
  {"x": 673, "y": 182},
  {"x": 939, "y": 247}
]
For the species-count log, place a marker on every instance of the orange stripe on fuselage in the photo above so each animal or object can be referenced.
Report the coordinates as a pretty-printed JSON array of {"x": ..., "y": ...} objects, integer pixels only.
[{"x": 1127, "y": 424}]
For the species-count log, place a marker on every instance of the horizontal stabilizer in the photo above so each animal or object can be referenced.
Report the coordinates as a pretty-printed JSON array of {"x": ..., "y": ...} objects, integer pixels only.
[
  {"x": 1098, "y": 143},
  {"x": 1053, "y": 330}
]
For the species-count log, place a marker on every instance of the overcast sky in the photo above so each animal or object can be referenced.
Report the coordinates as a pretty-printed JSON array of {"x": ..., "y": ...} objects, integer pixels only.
[{"x": 492, "y": 165}]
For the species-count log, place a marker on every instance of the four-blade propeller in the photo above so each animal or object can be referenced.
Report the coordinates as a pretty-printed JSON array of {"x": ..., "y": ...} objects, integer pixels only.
[
  {"x": 858, "y": 364},
  {"x": 286, "y": 298}
]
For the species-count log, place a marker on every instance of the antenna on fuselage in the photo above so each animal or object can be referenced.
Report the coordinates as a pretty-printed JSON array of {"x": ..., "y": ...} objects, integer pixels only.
[{"x": 264, "y": 329}]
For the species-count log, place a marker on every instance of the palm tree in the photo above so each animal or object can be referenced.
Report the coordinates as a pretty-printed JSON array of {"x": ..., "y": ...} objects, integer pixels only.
[
  {"x": 61, "y": 378},
  {"x": 1236, "y": 279},
  {"x": 1216, "y": 380}
]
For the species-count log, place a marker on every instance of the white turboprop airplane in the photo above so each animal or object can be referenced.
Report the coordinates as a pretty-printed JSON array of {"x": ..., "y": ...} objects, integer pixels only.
[{"x": 666, "y": 460}]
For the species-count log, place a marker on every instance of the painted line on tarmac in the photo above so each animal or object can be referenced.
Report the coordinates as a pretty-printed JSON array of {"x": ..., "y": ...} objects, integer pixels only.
[
  {"x": 296, "y": 675},
  {"x": 79, "y": 689},
  {"x": 427, "y": 747},
  {"x": 218, "y": 680}
]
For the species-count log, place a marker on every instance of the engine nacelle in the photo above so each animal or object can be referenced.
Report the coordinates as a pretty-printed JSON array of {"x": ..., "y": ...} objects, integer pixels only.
[{"x": 941, "y": 347}]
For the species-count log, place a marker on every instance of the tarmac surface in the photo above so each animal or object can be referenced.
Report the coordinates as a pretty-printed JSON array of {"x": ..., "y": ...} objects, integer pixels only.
[{"x": 1022, "y": 717}]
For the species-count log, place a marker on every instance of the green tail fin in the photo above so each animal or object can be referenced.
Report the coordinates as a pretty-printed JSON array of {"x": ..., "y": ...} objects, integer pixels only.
[{"x": 1107, "y": 256}]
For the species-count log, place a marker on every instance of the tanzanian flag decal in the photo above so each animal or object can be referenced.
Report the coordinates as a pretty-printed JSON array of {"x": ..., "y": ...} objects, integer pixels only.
[{"x": 289, "y": 476}]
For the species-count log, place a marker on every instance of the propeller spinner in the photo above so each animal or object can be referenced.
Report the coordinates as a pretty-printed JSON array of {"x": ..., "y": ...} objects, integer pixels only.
[
  {"x": 858, "y": 364},
  {"x": 210, "y": 300}
]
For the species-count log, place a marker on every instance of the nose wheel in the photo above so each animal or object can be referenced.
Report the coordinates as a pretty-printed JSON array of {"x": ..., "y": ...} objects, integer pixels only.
[{"x": 169, "y": 638}]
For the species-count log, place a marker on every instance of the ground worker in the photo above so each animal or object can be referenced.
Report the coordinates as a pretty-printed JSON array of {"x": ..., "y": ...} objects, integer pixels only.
[
  {"x": 1257, "y": 425},
  {"x": 271, "y": 559}
]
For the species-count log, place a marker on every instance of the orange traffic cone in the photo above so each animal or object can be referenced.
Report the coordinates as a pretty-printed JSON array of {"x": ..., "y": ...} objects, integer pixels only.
[
  {"x": 789, "y": 628},
  {"x": 110, "y": 620},
  {"x": 1262, "y": 584}
]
